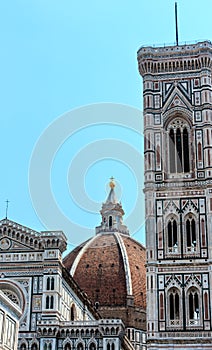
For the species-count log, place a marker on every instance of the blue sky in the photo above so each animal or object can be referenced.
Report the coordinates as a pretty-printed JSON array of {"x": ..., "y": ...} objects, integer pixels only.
[{"x": 57, "y": 56}]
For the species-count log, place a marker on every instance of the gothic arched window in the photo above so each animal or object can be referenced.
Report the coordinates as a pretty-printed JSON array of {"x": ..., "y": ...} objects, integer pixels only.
[
  {"x": 23, "y": 347},
  {"x": 92, "y": 346},
  {"x": 172, "y": 236},
  {"x": 179, "y": 147},
  {"x": 50, "y": 283},
  {"x": 174, "y": 305},
  {"x": 67, "y": 347},
  {"x": 193, "y": 304},
  {"x": 80, "y": 346},
  {"x": 172, "y": 233},
  {"x": 34, "y": 347},
  {"x": 191, "y": 239},
  {"x": 110, "y": 221}
]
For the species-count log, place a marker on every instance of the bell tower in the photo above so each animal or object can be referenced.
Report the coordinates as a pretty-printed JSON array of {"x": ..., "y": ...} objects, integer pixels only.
[{"x": 177, "y": 101}]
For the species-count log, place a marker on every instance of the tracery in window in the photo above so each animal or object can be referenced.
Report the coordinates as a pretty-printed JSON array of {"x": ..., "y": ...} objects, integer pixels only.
[
  {"x": 172, "y": 236},
  {"x": 12, "y": 296},
  {"x": 179, "y": 147},
  {"x": 191, "y": 233},
  {"x": 193, "y": 306},
  {"x": 174, "y": 311}
]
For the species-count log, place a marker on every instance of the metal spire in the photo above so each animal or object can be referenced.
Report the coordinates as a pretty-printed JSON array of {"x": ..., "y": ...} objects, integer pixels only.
[
  {"x": 7, "y": 202},
  {"x": 176, "y": 24}
]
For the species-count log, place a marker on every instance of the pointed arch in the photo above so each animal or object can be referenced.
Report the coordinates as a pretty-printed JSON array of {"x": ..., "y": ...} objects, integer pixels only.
[
  {"x": 191, "y": 235},
  {"x": 174, "y": 307},
  {"x": 80, "y": 346},
  {"x": 193, "y": 306},
  {"x": 172, "y": 235},
  {"x": 178, "y": 145}
]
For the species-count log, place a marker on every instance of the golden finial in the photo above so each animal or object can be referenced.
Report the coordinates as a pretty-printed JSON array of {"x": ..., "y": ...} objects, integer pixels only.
[{"x": 112, "y": 184}]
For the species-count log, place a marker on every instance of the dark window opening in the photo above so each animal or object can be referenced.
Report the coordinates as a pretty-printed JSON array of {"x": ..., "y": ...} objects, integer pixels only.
[
  {"x": 179, "y": 151},
  {"x": 186, "y": 150},
  {"x": 172, "y": 234},
  {"x": 191, "y": 233},
  {"x": 174, "y": 305},
  {"x": 193, "y": 305}
]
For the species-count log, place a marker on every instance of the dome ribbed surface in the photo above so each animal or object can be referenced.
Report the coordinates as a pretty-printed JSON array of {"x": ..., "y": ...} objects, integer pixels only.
[{"x": 109, "y": 268}]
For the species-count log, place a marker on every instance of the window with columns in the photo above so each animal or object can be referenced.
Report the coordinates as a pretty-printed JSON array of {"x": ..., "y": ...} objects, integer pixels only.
[
  {"x": 191, "y": 234},
  {"x": 174, "y": 302},
  {"x": 50, "y": 283},
  {"x": 191, "y": 239},
  {"x": 178, "y": 147},
  {"x": 193, "y": 304},
  {"x": 172, "y": 235}
]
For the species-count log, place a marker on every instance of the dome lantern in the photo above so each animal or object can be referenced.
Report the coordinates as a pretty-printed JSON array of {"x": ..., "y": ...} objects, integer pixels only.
[{"x": 112, "y": 214}]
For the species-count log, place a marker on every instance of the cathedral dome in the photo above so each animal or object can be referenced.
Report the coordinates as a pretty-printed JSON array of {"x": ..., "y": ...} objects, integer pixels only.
[{"x": 110, "y": 267}]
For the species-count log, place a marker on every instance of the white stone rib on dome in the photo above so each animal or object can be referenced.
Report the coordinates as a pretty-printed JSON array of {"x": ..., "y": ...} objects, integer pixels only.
[
  {"x": 125, "y": 262},
  {"x": 79, "y": 256}
]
